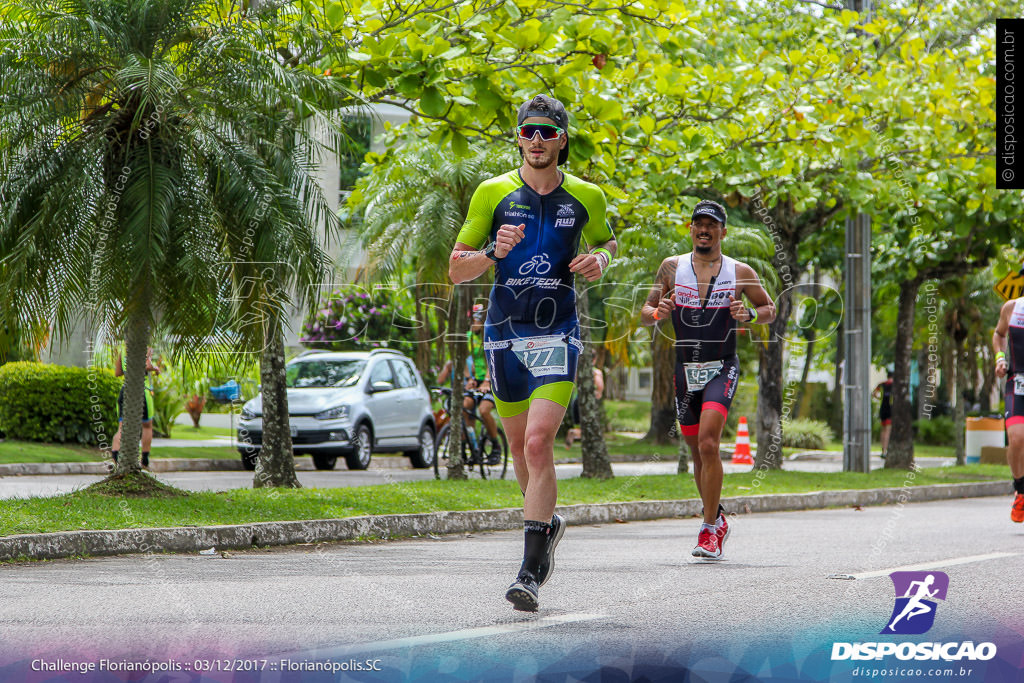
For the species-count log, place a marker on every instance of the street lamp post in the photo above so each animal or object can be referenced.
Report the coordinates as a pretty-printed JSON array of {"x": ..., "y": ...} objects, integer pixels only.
[{"x": 857, "y": 370}]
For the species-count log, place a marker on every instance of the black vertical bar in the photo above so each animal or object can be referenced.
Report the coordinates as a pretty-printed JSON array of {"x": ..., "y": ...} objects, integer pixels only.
[{"x": 1009, "y": 135}]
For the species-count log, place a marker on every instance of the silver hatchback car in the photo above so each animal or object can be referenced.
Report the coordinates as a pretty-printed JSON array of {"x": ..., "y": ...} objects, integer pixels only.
[{"x": 352, "y": 404}]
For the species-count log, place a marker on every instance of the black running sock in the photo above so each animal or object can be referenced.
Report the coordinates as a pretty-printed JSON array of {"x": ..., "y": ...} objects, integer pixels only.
[
  {"x": 536, "y": 541},
  {"x": 114, "y": 455},
  {"x": 145, "y": 458},
  {"x": 1018, "y": 485}
]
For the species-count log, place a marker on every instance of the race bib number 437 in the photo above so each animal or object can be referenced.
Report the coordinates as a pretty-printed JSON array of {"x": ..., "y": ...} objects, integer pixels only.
[
  {"x": 543, "y": 356},
  {"x": 699, "y": 374}
]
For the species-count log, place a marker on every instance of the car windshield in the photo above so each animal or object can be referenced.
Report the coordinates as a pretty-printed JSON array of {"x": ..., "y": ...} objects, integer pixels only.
[{"x": 324, "y": 373}]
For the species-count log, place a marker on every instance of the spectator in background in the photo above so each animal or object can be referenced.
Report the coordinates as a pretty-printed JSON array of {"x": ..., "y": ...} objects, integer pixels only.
[
  {"x": 147, "y": 408},
  {"x": 885, "y": 411}
]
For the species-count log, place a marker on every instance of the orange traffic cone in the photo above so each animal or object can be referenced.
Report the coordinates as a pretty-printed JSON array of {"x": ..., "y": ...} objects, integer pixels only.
[{"x": 741, "y": 456}]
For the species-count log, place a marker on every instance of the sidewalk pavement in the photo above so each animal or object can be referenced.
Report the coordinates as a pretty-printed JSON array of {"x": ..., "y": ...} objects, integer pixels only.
[
  {"x": 245, "y": 536},
  {"x": 812, "y": 461}
]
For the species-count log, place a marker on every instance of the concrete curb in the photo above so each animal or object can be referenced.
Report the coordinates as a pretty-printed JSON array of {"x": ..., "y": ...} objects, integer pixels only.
[
  {"x": 242, "y": 536},
  {"x": 102, "y": 467}
]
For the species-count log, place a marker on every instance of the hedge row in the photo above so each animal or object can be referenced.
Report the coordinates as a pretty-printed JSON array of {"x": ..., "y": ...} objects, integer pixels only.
[{"x": 54, "y": 403}]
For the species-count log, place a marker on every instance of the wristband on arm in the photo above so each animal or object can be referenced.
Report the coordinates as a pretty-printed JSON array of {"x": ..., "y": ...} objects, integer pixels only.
[
  {"x": 607, "y": 255},
  {"x": 1000, "y": 356},
  {"x": 752, "y": 312}
]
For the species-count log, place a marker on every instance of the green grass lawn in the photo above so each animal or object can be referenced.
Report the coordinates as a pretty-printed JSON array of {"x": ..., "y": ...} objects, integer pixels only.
[
  {"x": 90, "y": 511},
  {"x": 203, "y": 432},
  {"x": 618, "y": 445},
  {"x": 31, "y": 451},
  {"x": 920, "y": 450},
  {"x": 628, "y": 416}
]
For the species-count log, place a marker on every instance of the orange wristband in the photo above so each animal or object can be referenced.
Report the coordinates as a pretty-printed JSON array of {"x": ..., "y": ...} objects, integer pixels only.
[{"x": 656, "y": 316}]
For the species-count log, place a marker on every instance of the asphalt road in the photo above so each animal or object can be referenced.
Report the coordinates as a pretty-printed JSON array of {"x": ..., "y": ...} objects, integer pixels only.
[
  {"x": 621, "y": 597},
  {"x": 55, "y": 484}
]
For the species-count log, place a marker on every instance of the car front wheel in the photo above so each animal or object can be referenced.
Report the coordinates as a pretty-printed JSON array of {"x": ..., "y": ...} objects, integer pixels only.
[
  {"x": 324, "y": 461},
  {"x": 248, "y": 458},
  {"x": 424, "y": 455},
  {"x": 362, "y": 449}
]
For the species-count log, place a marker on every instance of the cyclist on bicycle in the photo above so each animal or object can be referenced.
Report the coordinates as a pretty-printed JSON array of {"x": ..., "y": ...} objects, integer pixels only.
[
  {"x": 532, "y": 220},
  {"x": 477, "y": 376}
]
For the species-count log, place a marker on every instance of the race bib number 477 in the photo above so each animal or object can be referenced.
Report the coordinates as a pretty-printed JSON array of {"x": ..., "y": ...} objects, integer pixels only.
[{"x": 543, "y": 356}]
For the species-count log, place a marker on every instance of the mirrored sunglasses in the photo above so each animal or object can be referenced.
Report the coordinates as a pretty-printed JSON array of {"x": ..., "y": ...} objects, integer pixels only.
[{"x": 546, "y": 130}]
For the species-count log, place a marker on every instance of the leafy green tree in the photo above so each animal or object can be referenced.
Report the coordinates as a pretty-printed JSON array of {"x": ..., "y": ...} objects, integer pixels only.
[{"x": 154, "y": 155}]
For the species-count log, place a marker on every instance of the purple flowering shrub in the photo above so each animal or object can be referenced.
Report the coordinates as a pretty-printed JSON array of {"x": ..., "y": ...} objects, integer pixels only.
[{"x": 354, "y": 319}]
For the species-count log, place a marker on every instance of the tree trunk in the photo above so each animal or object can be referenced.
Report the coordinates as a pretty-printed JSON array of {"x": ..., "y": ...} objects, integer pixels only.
[
  {"x": 802, "y": 388},
  {"x": 457, "y": 347},
  {"x": 596, "y": 464},
  {"x": 958, "y": 334},
  {"x": 988, "y": 375},
  {"x": 924, "y": 388},
  {"x": 769, "y": 402},
  {"x": 901, "y": 439},
  {"x": 684, "y": 456},
  {"x": 809, "y": 349},
  {"x": 275, "y": 465},
  {"x": 960, "y": 414},
  {"x": 423, "y": 345},
  {"x": 836, "y": 418},
  {"x": 136, "y": 342},
  {"x": 663, "y": 393},
  {"x": 771, "y": 378}
]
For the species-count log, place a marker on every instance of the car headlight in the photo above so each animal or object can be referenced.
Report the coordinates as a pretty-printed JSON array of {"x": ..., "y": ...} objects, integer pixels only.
[
  {"x": 335, "y": 413},
  {"x": 249, "y": 414}
]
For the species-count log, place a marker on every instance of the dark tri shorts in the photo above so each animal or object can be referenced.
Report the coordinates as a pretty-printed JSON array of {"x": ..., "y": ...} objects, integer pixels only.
[
  {"x": 885, "y": 414},
  {"x": 525, "y": 368},
  {"x": 147, "y": 406},
  {"x": 486, "y": 397},
  {"x": 1014, "y": 404},
  {"x": 716, "y": 395}
]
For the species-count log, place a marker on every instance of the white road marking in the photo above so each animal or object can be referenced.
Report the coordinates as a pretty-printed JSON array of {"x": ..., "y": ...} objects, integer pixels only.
[
  {"x": 938, "y": 564},
  {"x": 468, "y": 633}
]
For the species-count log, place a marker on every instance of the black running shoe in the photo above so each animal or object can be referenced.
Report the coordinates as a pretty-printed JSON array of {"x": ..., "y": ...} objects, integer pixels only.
[
  {"x": 547, "y": 565},
  {"x": 494, "y": 457},
  {"x": 523, "y": 593}
]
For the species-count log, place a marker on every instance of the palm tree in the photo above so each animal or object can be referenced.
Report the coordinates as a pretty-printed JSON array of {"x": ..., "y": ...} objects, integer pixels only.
[
  {"x": 414, "y": 203},
  {"x": 154, "y": 157}
]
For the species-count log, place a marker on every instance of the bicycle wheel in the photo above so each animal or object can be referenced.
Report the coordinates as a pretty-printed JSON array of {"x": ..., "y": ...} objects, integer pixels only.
[{"x": 500, "y": 468}]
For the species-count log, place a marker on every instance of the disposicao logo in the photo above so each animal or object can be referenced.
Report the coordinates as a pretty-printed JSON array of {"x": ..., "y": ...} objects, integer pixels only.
[
  {"x": 916, "y": 593},
  {"x": 914, "y": 614}
]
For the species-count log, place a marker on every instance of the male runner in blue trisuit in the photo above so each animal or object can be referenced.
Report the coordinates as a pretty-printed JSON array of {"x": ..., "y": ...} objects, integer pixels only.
[
  {"x": 702, "y": 292},
  {"x": 527, "y": 223}
]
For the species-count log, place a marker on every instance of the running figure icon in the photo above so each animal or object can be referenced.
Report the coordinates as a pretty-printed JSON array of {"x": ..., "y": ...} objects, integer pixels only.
[{"x": 915, "y": 606}]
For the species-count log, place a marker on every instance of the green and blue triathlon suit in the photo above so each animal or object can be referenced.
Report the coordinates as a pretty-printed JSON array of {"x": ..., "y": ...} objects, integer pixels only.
[
  {"x": 531, "y": 335},
  {"x": 1015, "y": 364}
]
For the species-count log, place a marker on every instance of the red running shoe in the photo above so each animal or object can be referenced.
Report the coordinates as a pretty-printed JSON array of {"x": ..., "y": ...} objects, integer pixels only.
[
  {"x": 722, "y": 531},
  {"x": 1017, "y": 511},
  {"x": 707, "y": 544}
]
